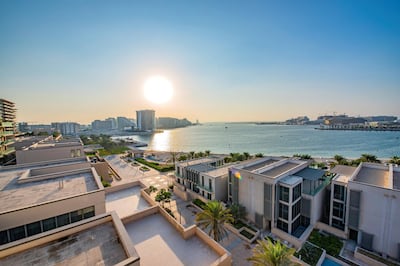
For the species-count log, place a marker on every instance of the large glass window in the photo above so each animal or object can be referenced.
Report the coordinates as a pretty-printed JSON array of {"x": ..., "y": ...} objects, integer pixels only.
[
  {"x": 338, "y": 224},
  {"x": 284, "y": 194},
  {"x": 283, "y": 211},
  {"x": 338, "y": 209},
  {"x": 338, "y": 192},
  {"x": 63, "y": 219},
  {"x": 282, "y": 225},
  {"x": 17, "y": 233},
  {"x": 202, "y": 180},
  {"x": 33, "y": 228},
  {"x": 88, "y": 212},
  {"x": 3, "y": 237},
  {"x": 297, "y": 192},
  {"x": 76, "y": 216},
  {"x": 296, "y": 209},
  {"x": 49, "y": 224},
  {"x": 210, "y": 184},
  {"x": 295, "y": 225}
]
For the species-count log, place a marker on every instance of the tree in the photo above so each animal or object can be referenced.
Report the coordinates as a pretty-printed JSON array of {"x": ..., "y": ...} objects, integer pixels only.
[
  {"x": 152, "y": 189},
  {"x": 268, "y": 253},
  {"x": 259, "y": 155},
  {"x": 238, "y": 212},
  {"x": 395, "y": 160},
  {"x": 182, "y": 157},
  {"x": 246, "y": 155},
  {"x": 213, "y": 218},
  {"x": 207, "y": 152},
  {"x": 192, "y": 154},
  {"x": 163, "y": 196},
  {"x": 369, "y": 158}
]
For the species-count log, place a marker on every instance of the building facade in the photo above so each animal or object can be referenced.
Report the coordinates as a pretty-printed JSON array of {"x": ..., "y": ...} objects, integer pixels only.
[
  {"x": 7, "y": 127},
  {"x": 205, "y": 177},
  {"x": 146, "y": 120}
]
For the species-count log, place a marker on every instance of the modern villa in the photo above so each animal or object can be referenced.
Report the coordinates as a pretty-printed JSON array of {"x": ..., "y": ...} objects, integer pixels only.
[
  {"x": 281, "y": 195},
  {"x": 205, "y": 178},
  {"x": 365, "y": 206}
]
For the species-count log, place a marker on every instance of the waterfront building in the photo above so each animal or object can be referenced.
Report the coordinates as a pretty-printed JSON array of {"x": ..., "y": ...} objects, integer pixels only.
[
  {"x": 170, "y": 122},
  {"x": 7, "y": 127},
  {"x": 365, "y": 206},
  {"x": 145, "y": 120},
  {"x": 124, "y": 123},
  {"x": 281, "y": 195},
  {"x": 41, "y": 128},
  {"x": 204, "y": 178},
  {"x": 102, "y": 125},
  {"x": 113, "y": 122},
  {"x": 66, "y": 128}
]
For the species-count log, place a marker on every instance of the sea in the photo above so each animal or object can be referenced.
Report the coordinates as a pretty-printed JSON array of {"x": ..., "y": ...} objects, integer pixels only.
[{"x": 267, "y": 139}]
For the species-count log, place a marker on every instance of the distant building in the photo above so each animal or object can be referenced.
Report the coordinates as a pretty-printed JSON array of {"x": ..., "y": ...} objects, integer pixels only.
[
  {"x": 41, "y": 128},
  {"x": 24, "y": 127},
  {"x": 124, "y": 123},
  {"x": 7, "y": 127},
  {"x": 170, "y": 122},
  {"x": 66, "y": 128},
  {"x": 301, "y": 120},
  {"x": 146, "y": 120},
  {"x": 113, "y": 122},
  {"x": 102, "y": 125}
]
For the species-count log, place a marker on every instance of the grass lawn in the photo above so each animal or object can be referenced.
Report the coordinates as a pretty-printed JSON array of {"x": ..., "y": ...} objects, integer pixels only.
[
  {"x": 157, "y": 166},
  {"x": 309, "y": 254},
  {"x": 330, "y": 243}
]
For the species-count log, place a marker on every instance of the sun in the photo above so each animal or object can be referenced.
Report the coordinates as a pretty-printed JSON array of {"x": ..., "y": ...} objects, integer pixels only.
[{"x": 158, "y": 89}]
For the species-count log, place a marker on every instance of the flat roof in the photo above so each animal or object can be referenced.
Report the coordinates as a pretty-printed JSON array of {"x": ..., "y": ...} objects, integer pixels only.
[
  {"x": 201, "y": 167},
  {"x": 311, "y": 173},
  {"x": 126, "y": 202},
  {"x": 280, "y": 169},
  {"x": 216, "y": 172},
  {"x": 259, "y": 165},
  {"x": 209, "y": 159},
  {"x": 16, "y": 195},
  {"x": 158, "y": 243},
  {"x": 343, "y": 170},
  {"x": 291, "y": 180},
  {"x": 98, "y": 245},
  {"x": 373, "y": 176}
]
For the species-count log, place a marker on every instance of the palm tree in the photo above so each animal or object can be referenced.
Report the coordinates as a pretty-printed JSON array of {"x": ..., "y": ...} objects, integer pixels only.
[
  {"x": 213, "y": 218},
  {"x": 268, "y": 253},
  {"x": 207, "y": 152},
  {"x": 192, "y": 154}
]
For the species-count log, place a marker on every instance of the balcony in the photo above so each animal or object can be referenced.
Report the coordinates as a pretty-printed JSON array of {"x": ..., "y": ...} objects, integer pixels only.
[
  {"x": 7, "y": 133},
  {"x": 7, "y": 152},
  {"x": 6, "y": 124}
]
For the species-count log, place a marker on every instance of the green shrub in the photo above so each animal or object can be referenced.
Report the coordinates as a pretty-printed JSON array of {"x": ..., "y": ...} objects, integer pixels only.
[
  {"x": 157, "y": 166},
  {"x": 330, "y": 243},
  {"x": 199, "y": 203},
  {"x": 309, "y": 254},
  {"x": 247, "y": 234}
]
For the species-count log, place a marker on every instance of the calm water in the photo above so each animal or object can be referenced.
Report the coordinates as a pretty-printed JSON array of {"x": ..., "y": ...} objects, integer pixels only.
[{"x": 275, "y": 140}]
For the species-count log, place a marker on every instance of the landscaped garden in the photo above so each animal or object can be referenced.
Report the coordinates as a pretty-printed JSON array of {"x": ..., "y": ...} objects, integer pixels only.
[
  {"x": 157, "y": 166},
  {"x": 330, "y": 243},
  {"x": 199, "y": 203},
  {"x": 309, "y": 254}
]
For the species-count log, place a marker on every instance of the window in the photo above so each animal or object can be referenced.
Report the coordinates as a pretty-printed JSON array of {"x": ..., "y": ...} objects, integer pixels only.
[
  {"x": 284, "y": 194},
  {"x": 210, "y": 184},
  {"x": 209, "y": 196},
  {"x": 297, "y": 192},
  {"x": 283, "y": 211},
  {"x": 295, "y": 225},
  {"x": 296, "y": 208},
  {"x": 49, "y": 224},
  {"x": 3, "y": 237},
  {"x": 230, "y": 189},
  {"x": 33, "y": 228},
  {"x": 338, "y": 209},
  {"x": 339, "y": 192},
  {"x": 63, "y": 219},
  {"x": 202, "y": 181},
  {"x": 282, "y": 225},
  {"x": 338, "y": 224},
  {"x": 88, "y": 212},
  {"x": 76, "y": 216},
  {"x": 17, "y": 233}
]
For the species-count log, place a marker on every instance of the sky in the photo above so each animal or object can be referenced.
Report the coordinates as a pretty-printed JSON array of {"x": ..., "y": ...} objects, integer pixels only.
[{"x": 227, "y": 60}]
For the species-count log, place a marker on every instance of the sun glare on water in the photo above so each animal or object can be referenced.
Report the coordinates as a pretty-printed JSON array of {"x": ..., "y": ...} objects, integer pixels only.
[{"x": 158, "y": 89}]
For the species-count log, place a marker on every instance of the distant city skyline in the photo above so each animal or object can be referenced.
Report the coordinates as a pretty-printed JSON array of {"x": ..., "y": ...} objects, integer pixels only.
[{"x": 227, "y": 60}]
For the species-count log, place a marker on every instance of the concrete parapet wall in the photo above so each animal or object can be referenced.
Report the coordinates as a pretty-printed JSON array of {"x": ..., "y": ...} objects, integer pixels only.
[
  {"x": 225, "y": 258},
  {"x": 367, "y": 260},
  {"x": 140, "y": 214},
  {"x": 286, "y": 237},
  {"x": 331, "y": 230},
  {"x": 123, "y": 186}
]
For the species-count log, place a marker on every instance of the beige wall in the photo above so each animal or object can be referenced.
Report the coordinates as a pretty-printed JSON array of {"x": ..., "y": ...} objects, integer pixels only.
[
  {"x": 379, "y": 215},
  {"x": 47, "y": 154},
  {"x": 25, "y": 216}
]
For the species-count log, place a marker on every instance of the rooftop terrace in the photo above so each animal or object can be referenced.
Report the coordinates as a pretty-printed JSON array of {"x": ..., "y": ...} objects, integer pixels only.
[
  {"x": 259, "y": 165},
  {"x": 98, "y": 245},
  {"x": 15, "y": 194},
  {"x": 158, "y": 243},
  {"x": 376, "y": 176},
  {"x": 280, "y": 169}
]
